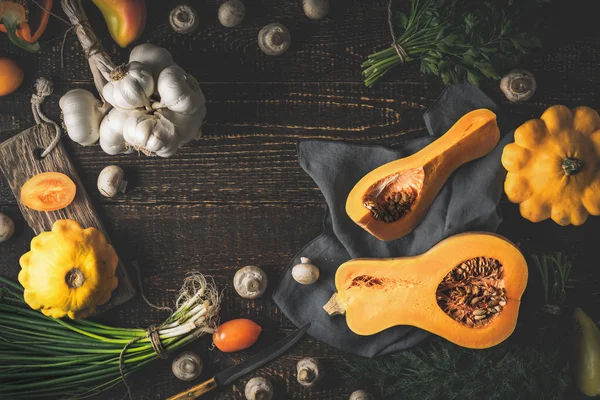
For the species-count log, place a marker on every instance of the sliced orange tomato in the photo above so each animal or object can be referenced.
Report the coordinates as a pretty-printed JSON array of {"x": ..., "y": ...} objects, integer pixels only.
[
  {"x": 235, "y": 335},
  {"x": 48, "y": 191}
]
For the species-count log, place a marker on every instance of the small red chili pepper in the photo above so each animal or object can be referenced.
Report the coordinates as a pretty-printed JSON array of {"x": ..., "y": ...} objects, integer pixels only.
[{"x": 14, "y": 21}]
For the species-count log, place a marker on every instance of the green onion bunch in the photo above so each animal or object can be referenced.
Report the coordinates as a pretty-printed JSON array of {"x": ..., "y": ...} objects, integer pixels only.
[{"x": 43, "y": 357}]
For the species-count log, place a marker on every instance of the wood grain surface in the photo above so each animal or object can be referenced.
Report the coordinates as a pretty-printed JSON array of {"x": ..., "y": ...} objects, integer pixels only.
[
  {"x": 238, "y": 197},
  {"x": 20, "y": 161}
]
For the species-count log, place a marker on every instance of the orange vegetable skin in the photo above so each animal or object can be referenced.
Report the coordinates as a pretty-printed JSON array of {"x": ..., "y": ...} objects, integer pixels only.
[
  {"x": 48, "y": 191},
  {"x": 235, "y": 335},
  {"x": 125, "y": 19},
  {"x": 11, "y": 76}
]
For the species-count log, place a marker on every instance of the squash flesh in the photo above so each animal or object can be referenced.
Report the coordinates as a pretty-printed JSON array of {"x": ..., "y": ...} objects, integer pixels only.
[
  {"x": 408, "y": 293},
  {"x": 471, "y": 137}
]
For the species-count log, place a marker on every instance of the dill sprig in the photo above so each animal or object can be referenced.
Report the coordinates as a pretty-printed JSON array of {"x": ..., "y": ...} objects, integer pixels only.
[
  {"x": 460, "y": 40},
  {"x": 442, "y": 370}
]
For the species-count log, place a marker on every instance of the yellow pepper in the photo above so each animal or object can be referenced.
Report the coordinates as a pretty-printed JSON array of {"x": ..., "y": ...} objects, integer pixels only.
[
  {"x": 586, "y": 362},
  {"x": 125, "y": 19}
]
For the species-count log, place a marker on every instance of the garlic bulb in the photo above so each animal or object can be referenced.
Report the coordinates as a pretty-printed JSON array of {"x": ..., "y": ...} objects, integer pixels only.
[
  {"x": 82, "y": 113},
  {"x": 179, "y": 92},
  {"x": 130, "y": 87},
  {"x": 151, "y": 134},
  {"x": 154, "y": 57},
  {"x": 188, "y": 127},
  {"x": 111, "y": 131}
]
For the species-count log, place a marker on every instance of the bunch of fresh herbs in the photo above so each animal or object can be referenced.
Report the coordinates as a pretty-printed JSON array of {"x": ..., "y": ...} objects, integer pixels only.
[
  {"x": 442, "y": 370},
  {"x": 460, "y": 40}
]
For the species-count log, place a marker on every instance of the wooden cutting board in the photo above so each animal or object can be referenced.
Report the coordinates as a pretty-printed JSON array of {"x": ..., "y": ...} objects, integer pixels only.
[{"x": 20, "y": 161}]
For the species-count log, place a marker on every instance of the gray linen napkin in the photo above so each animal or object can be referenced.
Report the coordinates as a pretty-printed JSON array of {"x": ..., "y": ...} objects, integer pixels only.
[{"x": 467, "y": 202}]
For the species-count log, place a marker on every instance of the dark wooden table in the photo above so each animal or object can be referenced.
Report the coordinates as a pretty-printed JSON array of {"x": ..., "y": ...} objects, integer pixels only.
[{"x": 238, "y": 196}]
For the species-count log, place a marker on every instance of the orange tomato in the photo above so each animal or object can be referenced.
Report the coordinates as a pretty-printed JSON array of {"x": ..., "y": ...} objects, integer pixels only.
[
  {"x": 48, "y": 191},
  {"x": 235, "y": 335},
  {"x": 11, "y": 76}
]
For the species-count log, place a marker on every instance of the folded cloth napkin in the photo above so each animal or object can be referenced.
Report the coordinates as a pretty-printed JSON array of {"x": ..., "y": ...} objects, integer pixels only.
[{"x": 467, "y": 202}]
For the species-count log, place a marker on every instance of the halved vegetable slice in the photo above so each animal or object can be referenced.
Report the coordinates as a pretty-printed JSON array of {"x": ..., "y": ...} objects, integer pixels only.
[{"x": 48, "y": 191}]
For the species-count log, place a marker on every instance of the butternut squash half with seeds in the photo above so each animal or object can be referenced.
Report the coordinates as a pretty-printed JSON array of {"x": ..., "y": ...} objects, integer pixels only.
[
  {"x": 467, "y": 289},
  {"x": 390, "y": 201}
]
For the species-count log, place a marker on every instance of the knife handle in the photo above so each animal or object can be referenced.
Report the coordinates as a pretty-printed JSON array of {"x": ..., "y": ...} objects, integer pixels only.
[{"x": 196, "y": 391}]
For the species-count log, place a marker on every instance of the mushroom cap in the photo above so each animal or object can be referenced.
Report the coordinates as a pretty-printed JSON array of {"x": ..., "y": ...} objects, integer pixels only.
[
  {"x": 250, "y": 282},
  {"x": 7, "y": 227},
  {"x": 315, "y": 9},
  {"x": 310, "y": 372},
  {"x": 360, "y": 395},
  {"x": 187, "y": 366},
  {"x": 259, "y": 388},
  {"x": 518, "y": 85},
  {"x": 274, "y": 39},
  {"x": 111, "y": 181},
  {"x": 232, "y": 13},
  {"x": 183, "y": 19},
  {"x": 306, "y": 272}
]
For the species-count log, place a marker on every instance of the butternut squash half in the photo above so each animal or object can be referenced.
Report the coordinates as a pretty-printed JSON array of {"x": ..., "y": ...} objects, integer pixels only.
[
  {"x": 390, "y": 201},
  {"x": 467, "y": 289}
]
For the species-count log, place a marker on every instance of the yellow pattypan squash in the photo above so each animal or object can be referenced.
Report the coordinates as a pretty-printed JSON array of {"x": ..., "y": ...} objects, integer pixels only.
[
  {"x": 554, "y": 166},
  {"x": 69, "y": 271}
]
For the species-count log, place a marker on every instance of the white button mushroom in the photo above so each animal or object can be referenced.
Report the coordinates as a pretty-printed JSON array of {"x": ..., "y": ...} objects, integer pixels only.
[
  {"x": 183, "y": 19},
  {"x": 360, "y": 395},
  {"x": 250, "y": 282},
  {"x": 315, "y": 9},
  {"x": 310, "y": 372},
  {"x": 306, "y": 272},
  {"x": 274, "y": 39},
  {"x": 259, "y": 388},
  {"x": 111, "y": 181},
  {"x": 7, "y": 227},
  {"x": 518, "y": 85},
  {"x": 232, "y": 13},
  {"x": 187, "y": 366}
]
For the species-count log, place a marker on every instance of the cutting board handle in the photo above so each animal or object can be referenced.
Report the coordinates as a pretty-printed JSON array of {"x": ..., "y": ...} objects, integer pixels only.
[{"x": 196, "y": 391}]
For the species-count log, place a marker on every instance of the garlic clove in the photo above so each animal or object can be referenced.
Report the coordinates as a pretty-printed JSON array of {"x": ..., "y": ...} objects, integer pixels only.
[
  {"x": 187, "y": 366},
  {"x": 315, "y": 9},
  {"x": 7, "y": 227},
  {"x": 232, "y": 13},
  {"x": 274, "y": 39},
  {"x": 258, "y": 388},
  {"x": 309, "y": 372},
  {"x": 518, "y": 85},
  {"x": 250, "y": 282},
  {"x": 154, "y": 57},
  {"x": 111, "y": 181},
  {"x": 305, "y": 273},
  {"x": 82, "y": 113},
  {"x": 183, "y": 19}
]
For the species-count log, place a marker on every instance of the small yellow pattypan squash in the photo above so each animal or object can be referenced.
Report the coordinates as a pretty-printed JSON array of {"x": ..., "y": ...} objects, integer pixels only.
[
  {"x": 69, "y": 271},
  {"x": 554, "y": 166}
]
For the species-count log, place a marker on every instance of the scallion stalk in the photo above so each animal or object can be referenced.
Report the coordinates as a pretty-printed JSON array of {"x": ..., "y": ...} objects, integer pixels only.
[{"x": 43, "y": 357}]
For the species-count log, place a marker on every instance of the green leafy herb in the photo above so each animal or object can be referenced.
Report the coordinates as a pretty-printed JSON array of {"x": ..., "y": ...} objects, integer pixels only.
[
  {"x": 442, "y": 370},
  {"x": 460, "y": 40}
]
